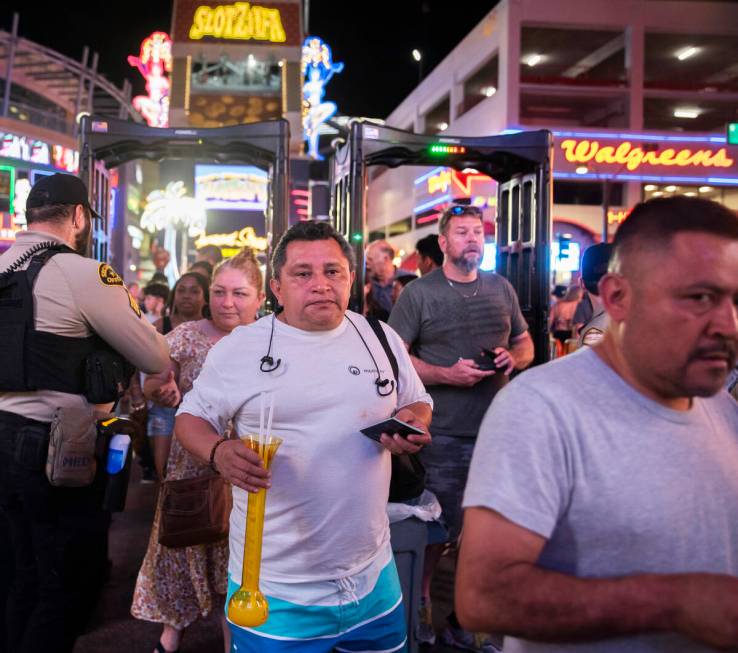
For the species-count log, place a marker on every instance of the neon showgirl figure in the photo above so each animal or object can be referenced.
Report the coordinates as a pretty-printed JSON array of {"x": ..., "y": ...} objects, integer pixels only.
[
  {"x": 154, "y": 63},
  {"x": 318, "y": 69}
]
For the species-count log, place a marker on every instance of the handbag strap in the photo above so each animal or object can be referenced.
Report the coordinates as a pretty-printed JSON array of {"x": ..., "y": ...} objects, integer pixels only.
[{"x": 376, "y": 326}]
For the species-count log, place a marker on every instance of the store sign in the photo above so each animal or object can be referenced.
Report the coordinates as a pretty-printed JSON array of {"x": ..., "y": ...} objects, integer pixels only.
[
  {"x": 268, "y": 22},
  {"x": 236, "y": 240},
  {"x": 631, "y": 156},
  {"x": 240, "y": 21},
  {"x": 31, "y": 150},
  {"x": 616, "y": 217},
  {"x": 443, "y": 185}
]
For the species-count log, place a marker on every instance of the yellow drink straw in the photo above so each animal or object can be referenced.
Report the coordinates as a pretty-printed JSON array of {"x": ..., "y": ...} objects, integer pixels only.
[{"x": 247, "y": 606}]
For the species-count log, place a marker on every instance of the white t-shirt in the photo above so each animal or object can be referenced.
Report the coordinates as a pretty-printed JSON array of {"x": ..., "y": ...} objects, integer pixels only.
[{"x": 325, "y": 511}]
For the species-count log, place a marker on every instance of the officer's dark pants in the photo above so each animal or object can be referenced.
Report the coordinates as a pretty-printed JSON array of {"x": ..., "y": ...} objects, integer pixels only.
[{"x": 57, "y": 537}]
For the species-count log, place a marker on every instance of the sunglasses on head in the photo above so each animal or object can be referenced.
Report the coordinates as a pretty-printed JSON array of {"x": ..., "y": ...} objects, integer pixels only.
[{"x": 462, "y": 209}]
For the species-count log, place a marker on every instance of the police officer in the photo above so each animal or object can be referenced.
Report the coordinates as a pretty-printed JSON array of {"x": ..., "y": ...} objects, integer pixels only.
[{"x": 58, "y": 311}]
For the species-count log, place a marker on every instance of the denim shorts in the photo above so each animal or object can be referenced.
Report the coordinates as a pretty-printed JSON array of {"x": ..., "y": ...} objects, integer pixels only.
[{"x": 160, "y": 421}]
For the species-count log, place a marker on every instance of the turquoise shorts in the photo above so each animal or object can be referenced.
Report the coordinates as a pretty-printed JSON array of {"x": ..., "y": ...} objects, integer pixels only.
[{"x": 373, "y": 624}]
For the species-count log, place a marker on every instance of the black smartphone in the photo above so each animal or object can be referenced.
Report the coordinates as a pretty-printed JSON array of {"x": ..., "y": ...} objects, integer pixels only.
[
  {"x": 486, "y": 361},
  {"x": 390, "y": 426}
]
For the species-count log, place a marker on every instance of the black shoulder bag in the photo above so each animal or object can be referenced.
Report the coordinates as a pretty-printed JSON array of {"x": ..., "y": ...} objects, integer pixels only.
[{"x": 408, "y": 473}]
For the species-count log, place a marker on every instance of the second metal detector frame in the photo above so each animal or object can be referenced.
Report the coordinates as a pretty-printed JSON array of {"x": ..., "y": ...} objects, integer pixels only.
[{"x": 519, "y": 162}]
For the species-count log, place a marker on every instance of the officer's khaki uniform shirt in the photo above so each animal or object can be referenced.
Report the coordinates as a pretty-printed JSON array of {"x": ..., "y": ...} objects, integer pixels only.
[{"x": 77, "y": 297}]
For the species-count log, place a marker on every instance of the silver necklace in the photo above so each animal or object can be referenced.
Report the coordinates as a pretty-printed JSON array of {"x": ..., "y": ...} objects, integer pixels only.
[{"x": 474, "y": 294}]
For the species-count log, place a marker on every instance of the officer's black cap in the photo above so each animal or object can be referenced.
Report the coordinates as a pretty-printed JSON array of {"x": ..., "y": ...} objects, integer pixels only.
[
  {"x": 59, "y": 189},
  {"x": 595, "y": 261}
]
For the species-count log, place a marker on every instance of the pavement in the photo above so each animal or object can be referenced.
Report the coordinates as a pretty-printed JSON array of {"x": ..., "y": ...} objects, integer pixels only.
[{"x": 114, "y": 630}]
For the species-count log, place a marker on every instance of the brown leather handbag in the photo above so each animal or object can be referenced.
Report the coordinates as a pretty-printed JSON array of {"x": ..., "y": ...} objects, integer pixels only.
[{"x": 194, "y": 511}]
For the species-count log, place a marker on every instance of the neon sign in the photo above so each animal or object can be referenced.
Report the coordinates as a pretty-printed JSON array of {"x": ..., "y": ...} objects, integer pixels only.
[
  {"x": 616, "y": 217},
  {"x": 238, "y": 21},
  {"x": 441, "y": 181},
  {"x": 317, "y": 70},
  {"x": 231, "y": 187},
  {"x": 154, "y": 62},
  {"x": 245, "y": 238},
  {"x": 447, "y": 149},
  {"x": 633, "y": 157}
]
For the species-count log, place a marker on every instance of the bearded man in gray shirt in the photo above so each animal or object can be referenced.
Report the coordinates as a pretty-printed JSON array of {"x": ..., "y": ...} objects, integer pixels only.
[{"x": 602, "y": 501}]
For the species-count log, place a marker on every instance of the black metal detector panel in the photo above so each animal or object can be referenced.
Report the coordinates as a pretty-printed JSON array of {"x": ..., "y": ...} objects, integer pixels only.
[
  {"x": 520, "y": 163},
  {"x": 106, "y": 143}
]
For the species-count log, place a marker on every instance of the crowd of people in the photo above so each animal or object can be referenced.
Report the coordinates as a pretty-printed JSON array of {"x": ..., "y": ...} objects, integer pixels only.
[{"x": 592, "y": 501}]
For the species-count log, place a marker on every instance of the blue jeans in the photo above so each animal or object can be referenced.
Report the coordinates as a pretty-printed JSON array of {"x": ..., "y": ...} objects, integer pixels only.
[{"x": 58, "y": 543}]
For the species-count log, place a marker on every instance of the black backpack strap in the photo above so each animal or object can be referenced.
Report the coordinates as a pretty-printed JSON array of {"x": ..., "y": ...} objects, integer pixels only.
[
  {"x": 39, "y": 260},
  {"x": 376, "y": 326}
]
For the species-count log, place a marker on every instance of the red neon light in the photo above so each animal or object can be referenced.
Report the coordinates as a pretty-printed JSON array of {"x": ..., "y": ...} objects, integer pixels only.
[
  {"x": 428, "y": 218},
  {"x": 154, "y": 61},
  {"x": 301, "y": 202},
  {"x": 302, "y": 212},
  {"x": 464, "y": 180},
  {"x": 298, "y": 191}
]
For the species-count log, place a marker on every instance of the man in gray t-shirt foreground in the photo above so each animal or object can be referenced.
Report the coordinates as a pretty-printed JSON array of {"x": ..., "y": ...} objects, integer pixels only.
[{"x": 602, "y": 501}]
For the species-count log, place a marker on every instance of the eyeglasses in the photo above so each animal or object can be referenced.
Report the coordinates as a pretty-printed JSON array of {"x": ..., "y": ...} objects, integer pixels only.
[{"x": 463, "y": 209}]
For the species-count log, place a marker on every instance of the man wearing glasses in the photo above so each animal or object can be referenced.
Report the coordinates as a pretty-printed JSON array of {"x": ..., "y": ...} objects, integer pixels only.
[{"x": 448, "y": 319}]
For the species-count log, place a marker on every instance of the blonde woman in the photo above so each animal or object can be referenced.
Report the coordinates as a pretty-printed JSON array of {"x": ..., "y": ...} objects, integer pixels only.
[{"x": 177, "y": 586}]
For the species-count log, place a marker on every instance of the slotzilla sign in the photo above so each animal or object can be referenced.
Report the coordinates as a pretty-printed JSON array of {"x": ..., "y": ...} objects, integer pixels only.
[
  {"x": 640, "y": 157},
  {"x": 260, "y": 22}
]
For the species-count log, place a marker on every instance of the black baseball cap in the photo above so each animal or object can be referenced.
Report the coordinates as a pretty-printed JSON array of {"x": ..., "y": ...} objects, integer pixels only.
[{"x": 59, "y": 189}]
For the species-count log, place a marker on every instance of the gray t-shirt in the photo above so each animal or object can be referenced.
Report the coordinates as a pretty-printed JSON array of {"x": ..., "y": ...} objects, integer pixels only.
[
  {"x": 617, "y": 483},
  {"x": 442, "y": 325}
]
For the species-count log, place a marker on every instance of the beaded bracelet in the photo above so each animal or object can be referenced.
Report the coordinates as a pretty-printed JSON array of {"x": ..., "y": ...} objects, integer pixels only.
[{"x": 212, "y": 454}]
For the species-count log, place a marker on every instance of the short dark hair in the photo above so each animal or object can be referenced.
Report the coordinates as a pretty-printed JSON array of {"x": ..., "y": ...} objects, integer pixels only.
[
  {"x": 595, "y": 261},
  {"x": 211, "y": 251},
  {"x": 404, "y": 279},
  {"x": 159, "y": 277},
  {"x": 309, "y": 230},
  {"x": 157, "y": 290},
  {"x": 657, "y": 221},
  {"x": 429, "y": 248},
  {"x": 458, "y": 211},
  {"x": 56, "y": 213}
]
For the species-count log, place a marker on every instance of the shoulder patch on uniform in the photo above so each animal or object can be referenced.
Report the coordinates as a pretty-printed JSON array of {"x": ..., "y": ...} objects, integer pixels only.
[
  {"x": 134, "y": 304},
  {"x": 108, "y": 276}
]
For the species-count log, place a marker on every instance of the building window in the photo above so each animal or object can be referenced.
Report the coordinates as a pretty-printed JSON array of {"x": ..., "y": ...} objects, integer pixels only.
[
  {"x": 480, "y": 85},
  {"x": 400, "y": 227},
  {"x": 376, "y": 235},
  {"x": 587, "y": 193},
  {"x": 437, "y": 119}
]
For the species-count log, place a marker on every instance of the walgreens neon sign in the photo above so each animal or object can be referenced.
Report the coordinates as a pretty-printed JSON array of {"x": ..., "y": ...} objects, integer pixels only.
[{"x": 633, "y": 156}]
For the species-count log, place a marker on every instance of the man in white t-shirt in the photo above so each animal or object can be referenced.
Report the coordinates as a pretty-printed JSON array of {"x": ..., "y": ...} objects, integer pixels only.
[
  {"x": 602, "y": 501},
  {"x": 327, "y": 566}
]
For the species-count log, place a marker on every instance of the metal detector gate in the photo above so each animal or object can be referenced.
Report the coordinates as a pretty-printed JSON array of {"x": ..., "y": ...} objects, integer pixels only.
[
  {"x": 106, "y": 143},
  {"x": 520, "y": 163}
]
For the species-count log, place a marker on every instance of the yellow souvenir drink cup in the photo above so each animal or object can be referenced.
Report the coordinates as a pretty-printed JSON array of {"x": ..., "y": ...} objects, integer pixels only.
[{"x": 247, "y": 606}]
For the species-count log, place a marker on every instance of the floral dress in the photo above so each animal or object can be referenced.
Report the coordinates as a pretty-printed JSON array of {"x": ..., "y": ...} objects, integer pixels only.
[{"x": 177, "y": 586}]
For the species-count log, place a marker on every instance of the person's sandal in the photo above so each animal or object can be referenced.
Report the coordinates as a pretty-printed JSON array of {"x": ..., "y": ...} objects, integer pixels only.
[{"x": 160, "y": 648}]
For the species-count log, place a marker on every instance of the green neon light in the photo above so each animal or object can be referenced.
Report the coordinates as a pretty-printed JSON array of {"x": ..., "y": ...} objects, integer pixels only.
[
  {"x": 442, "y": 149},
  {"x": 732, "y": 133},
  {"x": 11, "y": 190}
]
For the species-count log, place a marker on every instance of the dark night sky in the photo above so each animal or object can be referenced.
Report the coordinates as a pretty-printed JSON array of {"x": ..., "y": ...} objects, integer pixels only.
[{"x": 374, "y": 44}]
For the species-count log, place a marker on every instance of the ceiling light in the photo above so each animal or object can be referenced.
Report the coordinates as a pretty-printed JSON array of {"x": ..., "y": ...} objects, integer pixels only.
[
  {"x": 687, "y": 112},
  {"x": 649, "y": 187},
  {"x": 442, "y": 126},
  {"x": 416, "y": 55},
  {"x": 687, "y": 52},
  {"x": 705, "y": 189},
  {"x": 534, "y": 59},
  {"x": 582, "y": 170},
  {"x": 489, "y": 91},
  {"x": 658, "y": 193},
  {"x": 690, "y": 194},
  {"x": 670, "y": 189}
]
